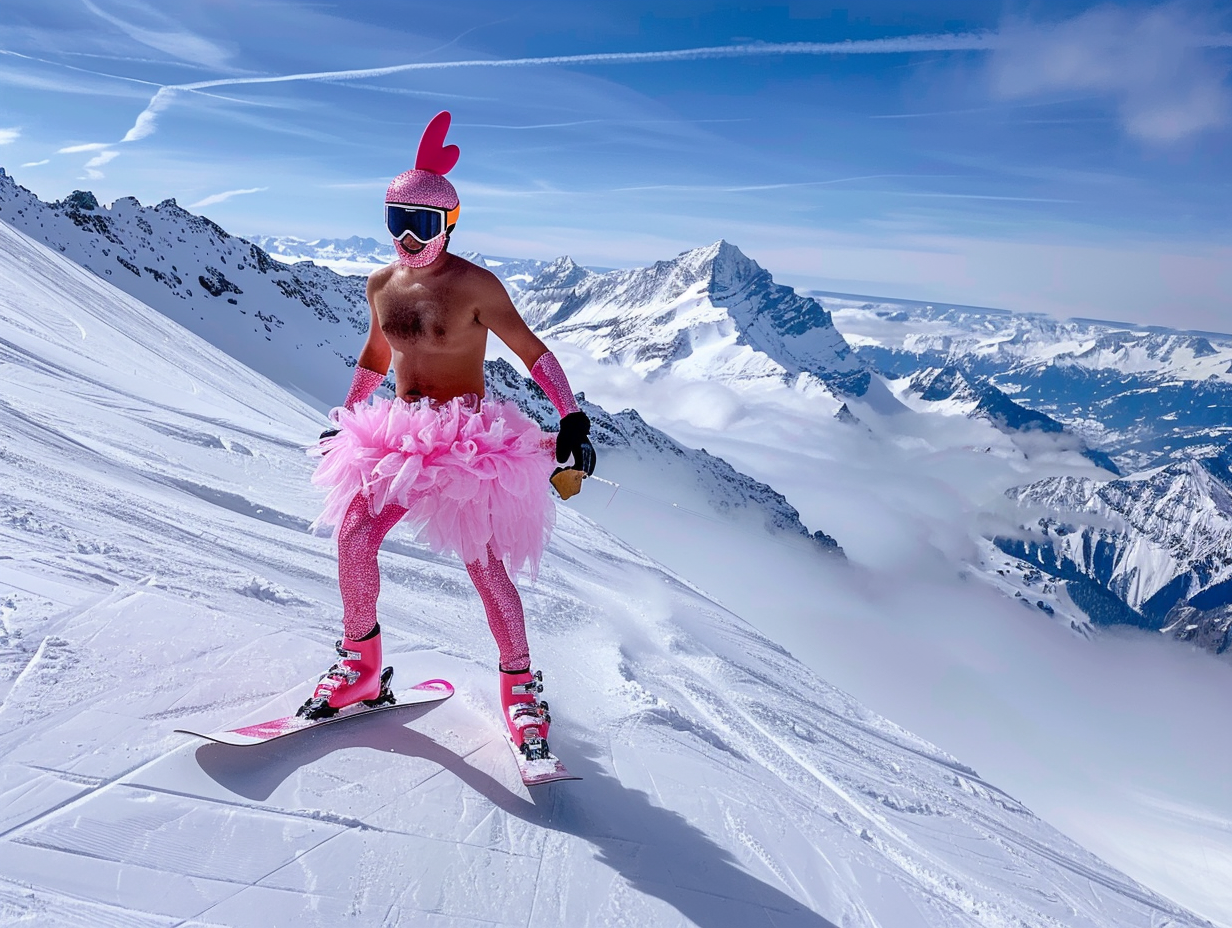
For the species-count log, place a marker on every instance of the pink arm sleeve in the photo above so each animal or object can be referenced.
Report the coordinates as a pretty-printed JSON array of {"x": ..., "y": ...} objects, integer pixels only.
[
  {"x": 548, "y": 374},
  {"x": 363, "y": 385}
]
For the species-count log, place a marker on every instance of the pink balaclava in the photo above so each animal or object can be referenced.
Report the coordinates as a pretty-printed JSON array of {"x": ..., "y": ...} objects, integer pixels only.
[{"x": 426, "y": 186}]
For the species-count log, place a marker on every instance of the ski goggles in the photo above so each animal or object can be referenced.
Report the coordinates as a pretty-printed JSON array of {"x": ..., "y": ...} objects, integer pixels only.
[{"x": 422, "y": 223}]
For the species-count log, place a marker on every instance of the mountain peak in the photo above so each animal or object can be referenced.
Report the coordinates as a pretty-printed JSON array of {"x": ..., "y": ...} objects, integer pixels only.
[
  {"x": 565, "y": 272},
  {"x": 711, "y": 311},
  {"x": 720, "y": 261},
  {"x": 944, "y": 383},
  {"x": 78, "y": 200}
]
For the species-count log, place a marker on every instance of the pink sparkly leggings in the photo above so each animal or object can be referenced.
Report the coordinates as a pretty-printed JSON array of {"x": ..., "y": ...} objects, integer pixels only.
[{"x": 359, "y": 578}]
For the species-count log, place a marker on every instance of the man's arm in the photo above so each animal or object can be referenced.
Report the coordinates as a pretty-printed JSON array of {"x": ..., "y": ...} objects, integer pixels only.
[
  {"x": 501, "y": 317},
  {"x": 376, "y": 355},
  {"x": 498, "y": 314},
  {"x": 374, "y": 359}
]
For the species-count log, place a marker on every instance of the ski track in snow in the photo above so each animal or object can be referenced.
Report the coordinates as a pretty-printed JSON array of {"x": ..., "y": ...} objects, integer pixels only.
[{"x": 155, "y": 570}]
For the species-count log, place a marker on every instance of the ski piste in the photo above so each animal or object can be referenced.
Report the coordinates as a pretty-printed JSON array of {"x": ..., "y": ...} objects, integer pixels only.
[
  {"x": 429, "y": 691},
  {"x": 537, "y": 772}
]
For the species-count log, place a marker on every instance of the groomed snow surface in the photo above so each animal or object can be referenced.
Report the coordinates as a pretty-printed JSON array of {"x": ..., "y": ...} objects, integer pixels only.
[{"x": 156, "y": 571}]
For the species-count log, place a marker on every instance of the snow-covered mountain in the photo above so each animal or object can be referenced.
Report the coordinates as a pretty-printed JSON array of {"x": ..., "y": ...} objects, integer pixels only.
[
  {"x": 1153, "y": 549},
  {"x": 1138, "y": 393},
  {"x": 293, "y": 323},
  {"x": 156, "y": 571},
  {"x": 710, "y": 313},
  {"x": 950, "y": 391}
]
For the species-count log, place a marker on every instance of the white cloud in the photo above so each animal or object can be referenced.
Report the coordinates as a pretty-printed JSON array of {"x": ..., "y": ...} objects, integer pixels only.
[
  {"x": 9, "y": 135},
  {"x": 92, "y": 166},
  {"x": 173, "y": 41},
  {"x": 75, "y": 149},
  {"x": 35, "y": 164},
  {"x": 226, "y": 195},
  {"x": 102, "y": 158},
  {"x": 1156, "y": 64}
]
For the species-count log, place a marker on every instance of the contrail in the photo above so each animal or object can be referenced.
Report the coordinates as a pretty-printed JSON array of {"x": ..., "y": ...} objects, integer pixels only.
[{"x": 147, "y": 122}]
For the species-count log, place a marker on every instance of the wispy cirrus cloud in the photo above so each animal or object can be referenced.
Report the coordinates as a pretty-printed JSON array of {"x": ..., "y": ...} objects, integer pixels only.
[
  {"x": 8, "y": 136},
  {"x": 214, "y": 198},
  {"x": 1156, "y": 64},
  {"x": 169, "y": 39},
  {"x": 77, "y": 149},
  {"x": 36, "y": 164},
  {"x": 92, "y": 166},
  {"x": 147, "y": 122}
]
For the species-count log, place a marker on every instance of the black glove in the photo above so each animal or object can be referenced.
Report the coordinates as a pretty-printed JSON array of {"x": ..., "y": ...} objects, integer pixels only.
[
  {"x": 328, "y": 433},
  {"x": 573, "y": 439}
]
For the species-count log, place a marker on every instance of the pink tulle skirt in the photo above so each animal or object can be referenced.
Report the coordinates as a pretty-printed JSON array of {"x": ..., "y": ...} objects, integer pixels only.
[{"x": 469, "y": 473}]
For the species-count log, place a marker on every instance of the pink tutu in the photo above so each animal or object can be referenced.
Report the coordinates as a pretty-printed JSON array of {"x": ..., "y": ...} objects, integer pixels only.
[{"x": 470, "y": 473}]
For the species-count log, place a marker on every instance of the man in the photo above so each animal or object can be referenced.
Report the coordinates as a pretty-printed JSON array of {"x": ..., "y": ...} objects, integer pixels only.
[{"x": 468, "y": 473}]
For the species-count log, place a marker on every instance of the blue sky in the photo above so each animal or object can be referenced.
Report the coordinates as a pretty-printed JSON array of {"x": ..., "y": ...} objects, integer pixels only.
[{"x": 1050, "y": 156}]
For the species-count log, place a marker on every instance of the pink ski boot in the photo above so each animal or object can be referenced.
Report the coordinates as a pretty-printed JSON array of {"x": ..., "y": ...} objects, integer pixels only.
[
  {"x": 356, "y": 677},
  {"x": 526, "y": 716}
]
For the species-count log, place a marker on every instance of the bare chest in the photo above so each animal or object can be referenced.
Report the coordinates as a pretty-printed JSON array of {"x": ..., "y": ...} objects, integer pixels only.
[{"x": 422, "y": 317}]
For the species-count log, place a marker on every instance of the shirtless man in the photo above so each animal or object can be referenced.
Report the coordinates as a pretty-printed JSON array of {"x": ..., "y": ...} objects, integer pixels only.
[{"x": 468, "y": 473}]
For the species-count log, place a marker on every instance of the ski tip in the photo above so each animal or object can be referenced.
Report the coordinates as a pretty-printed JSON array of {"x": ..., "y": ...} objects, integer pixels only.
[
  {"x": 544, "y": 781},
  {"x": 435, "y": 686}
]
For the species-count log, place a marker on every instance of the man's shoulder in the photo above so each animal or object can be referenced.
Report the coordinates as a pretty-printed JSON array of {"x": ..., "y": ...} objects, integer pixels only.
[
  {"x": 472, "y": 273},
  {"x": 463, "y": 265},
  {"x": 382, "y": 274}
]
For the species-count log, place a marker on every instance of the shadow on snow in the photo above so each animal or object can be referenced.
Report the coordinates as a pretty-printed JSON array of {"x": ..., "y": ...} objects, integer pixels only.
[{"x": 656, "y": 851}]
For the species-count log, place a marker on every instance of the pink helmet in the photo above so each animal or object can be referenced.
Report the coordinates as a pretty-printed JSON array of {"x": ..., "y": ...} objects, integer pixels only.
[{"x": 427, "y": 186}]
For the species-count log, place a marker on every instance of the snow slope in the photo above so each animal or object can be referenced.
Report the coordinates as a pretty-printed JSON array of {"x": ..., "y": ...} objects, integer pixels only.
[{"x": 156, "y": 571}]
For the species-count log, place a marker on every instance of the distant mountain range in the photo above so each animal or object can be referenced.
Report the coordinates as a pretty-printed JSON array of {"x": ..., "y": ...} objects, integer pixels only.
[
  {"x": 355, "y": 255},
  {"x": 362, "y": 256},
  {"x": 1141, "y": 394},
  {"x": 949, "y": 390},
  {"x": 1151, "y": 548}
]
